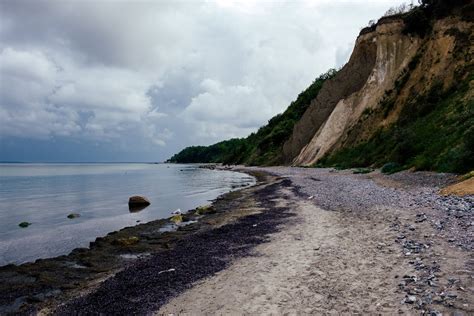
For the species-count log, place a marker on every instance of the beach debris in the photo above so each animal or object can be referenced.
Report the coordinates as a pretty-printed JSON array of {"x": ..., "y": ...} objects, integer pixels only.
[
  {"x": 178, "y": 218},
  {"x": 205, "y": 209},
  {"x": 73, "y": 215},
  {"x": 134, "y": 256},
  {"x": 169, "y": 270},
  {"x": 254, "y": 225},
  {"x": 24, "y": 224},
  {"x": 311, "y": 197},
  {"x": 126, "y": 241},
  {"x": 176, "y": 212},
  {"x": 138, "y": 200}
]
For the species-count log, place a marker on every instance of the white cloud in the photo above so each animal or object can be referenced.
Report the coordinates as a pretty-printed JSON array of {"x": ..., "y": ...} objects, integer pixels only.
[
  {"x": 169, "y": 73},
  {"x": 27, "y": 78},
  {"x": 40, "y": 100},
  {"x": 226, "y": 111}
]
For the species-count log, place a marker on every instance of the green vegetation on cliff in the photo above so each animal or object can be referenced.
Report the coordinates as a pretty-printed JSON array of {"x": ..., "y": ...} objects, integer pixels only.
[
  {"x": 434, "y": 132},
  {"x": 263, "y": 147},
  {"x": 419, "y": 20},
  {"x": 435, "y": 128}
]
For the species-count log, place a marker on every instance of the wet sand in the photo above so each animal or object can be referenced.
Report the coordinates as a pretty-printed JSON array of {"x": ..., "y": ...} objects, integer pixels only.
[{"x": 45, "y": 284}]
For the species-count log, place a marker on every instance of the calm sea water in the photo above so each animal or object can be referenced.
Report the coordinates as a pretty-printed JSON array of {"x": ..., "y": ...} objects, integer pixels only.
[{"x": 44, "y": 194}]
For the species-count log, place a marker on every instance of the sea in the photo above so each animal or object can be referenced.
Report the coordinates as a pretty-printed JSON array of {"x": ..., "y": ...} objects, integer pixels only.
[{"x": 45, "y": 194}]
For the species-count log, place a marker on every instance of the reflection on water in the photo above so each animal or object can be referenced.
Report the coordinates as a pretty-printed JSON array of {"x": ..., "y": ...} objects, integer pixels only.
[
  {"x": 45, "y": 194},
  {"x": 136, "y": 208}
]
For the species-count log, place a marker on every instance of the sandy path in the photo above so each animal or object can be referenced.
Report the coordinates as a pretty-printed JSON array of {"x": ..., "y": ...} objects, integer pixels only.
[{"x": 326, "y": 262}]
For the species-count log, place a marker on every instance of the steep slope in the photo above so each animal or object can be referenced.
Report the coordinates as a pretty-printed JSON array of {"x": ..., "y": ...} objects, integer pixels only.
[
  {"x": 391, "y": 52},
  {"x": 263, "y": 147},
  {"x": 415, "y": 108},
  {"x": 405, "y": 97},
  {"x": 349, "y": 79}
]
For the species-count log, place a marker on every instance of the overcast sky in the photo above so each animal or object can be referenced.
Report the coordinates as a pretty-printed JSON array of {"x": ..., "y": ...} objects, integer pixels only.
[{"x": 140, "y": 80}]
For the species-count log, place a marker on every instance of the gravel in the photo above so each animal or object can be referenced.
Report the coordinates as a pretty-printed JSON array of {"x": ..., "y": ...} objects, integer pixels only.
[
  {"x": 418, "y": 191},
  {"x": 415, "y": 194}
]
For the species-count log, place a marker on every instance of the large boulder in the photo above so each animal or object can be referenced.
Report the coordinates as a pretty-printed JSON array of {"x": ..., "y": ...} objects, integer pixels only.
[{"x": 138, "y": 200}]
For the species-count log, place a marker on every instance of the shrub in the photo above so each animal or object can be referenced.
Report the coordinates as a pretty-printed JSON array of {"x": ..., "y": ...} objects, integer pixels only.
[
  {"x": 362, "y": 170},
  {"x": 433, "y": 132},
  {"x": 391, "y": 167},
  {"x": 417, "y": 22}
]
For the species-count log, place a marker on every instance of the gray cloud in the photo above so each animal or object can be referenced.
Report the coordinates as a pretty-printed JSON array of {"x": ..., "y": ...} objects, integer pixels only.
[{"x": 162, "y": 75}]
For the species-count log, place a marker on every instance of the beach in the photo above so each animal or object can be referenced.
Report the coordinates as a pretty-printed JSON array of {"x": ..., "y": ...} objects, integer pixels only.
[
  {"x": 301, "y": 241},
  {"x": 397, "y": 248}
]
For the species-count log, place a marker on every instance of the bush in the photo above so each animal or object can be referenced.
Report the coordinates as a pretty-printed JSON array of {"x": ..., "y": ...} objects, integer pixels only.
[
  {"x": 417, "y": 22},
  {"x": 391, "y": 167}
]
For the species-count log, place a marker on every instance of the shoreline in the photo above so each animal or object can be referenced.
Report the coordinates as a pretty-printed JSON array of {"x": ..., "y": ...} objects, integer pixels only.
[
  {"x": 301, "y": 240},
  {"x": 45, "y": 198},
  {"x": 45, "y": 283},
  {"x": 357, "y": 243}
]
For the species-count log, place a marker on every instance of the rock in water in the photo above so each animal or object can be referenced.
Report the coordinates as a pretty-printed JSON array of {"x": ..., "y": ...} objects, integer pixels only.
[
  {"x": 138, "y": 200},
  {"x": 24, "y": 224}
]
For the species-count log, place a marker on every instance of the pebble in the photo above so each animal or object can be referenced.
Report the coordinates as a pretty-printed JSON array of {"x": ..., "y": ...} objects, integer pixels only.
[
  {"x": 451, "y": 217},
  {"x": 410, "y": 299}
]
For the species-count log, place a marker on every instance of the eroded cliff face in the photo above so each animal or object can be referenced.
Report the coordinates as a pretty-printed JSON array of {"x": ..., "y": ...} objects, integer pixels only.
[
  {"x": 385, "y": 64},
  {"x": 348, "y": 80}
]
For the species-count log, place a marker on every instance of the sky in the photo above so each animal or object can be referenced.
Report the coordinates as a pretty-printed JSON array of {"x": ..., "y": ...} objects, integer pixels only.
[{"x": 118, "y": 81}]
